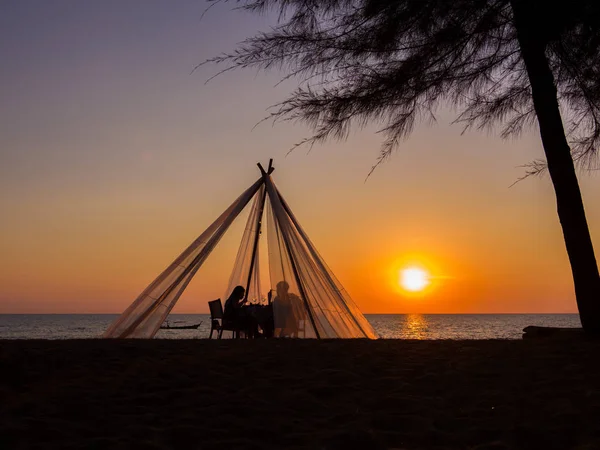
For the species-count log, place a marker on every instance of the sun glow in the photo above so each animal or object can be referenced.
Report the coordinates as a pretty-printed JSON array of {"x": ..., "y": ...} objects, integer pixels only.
[{"x": 414, "y": 279}]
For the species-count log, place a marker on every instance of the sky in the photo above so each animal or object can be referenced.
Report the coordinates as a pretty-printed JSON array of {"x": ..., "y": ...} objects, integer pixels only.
[{"x": 114, "y": 156}]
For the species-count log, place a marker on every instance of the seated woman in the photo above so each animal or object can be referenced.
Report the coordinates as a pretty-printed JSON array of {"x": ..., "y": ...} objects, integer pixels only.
[
  {"x": 234, "y": 304},
  {"x": 235, "y": 315}
]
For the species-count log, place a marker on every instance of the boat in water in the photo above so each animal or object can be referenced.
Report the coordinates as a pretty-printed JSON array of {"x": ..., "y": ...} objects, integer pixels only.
[{"x": 167, "y": 326}]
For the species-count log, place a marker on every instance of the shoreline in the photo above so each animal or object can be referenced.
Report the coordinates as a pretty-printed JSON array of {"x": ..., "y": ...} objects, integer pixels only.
[{"x": 293, "y": 394}]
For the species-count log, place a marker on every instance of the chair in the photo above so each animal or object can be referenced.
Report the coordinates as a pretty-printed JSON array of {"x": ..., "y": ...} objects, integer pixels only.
[{"x": 216, "y": 320}]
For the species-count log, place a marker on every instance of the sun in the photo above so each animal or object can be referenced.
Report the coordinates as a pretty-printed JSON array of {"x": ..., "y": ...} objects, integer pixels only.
[{"x": 414, "y": 279}]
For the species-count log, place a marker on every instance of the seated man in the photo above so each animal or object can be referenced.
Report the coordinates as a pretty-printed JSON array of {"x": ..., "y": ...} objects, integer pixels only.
[{"x": 288, "y": 310}]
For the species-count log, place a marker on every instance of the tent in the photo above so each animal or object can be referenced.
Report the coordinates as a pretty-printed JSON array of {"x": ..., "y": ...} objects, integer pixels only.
[{"x": 316, "y": 304}]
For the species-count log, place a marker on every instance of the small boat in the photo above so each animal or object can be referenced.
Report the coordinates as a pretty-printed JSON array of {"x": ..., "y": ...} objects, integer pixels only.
[{"x": 180, "y": 327}]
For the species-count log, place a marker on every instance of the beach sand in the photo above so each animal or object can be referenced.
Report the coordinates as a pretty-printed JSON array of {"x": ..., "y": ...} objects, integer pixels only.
[{"x": 199, "y": 394}]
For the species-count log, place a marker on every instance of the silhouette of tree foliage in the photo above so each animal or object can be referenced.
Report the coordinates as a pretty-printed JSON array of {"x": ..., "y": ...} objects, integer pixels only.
[{"x": 396, "y": 62}]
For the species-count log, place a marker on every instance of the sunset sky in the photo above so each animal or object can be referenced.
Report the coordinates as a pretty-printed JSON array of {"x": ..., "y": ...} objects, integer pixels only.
[{"x": 114, "y": 157}]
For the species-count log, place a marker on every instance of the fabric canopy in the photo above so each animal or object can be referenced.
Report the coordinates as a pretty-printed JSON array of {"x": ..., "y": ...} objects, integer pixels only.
[{"x": 308, "y": 301}]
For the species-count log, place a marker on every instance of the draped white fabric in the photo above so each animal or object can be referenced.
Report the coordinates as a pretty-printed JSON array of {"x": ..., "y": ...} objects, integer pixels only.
[
  {"x": 321, "y": 307},
  {"x": 307, "y": 300},
  {"x": 145, "y": 315}
]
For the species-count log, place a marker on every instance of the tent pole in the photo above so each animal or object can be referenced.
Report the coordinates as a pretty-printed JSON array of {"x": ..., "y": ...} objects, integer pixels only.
[
  {"x": 256, "y": 238},
  {"x": 284, "y": 235}
]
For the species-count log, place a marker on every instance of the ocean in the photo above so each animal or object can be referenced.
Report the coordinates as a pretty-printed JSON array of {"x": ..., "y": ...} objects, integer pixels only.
[{"x": 388, "y": 326}]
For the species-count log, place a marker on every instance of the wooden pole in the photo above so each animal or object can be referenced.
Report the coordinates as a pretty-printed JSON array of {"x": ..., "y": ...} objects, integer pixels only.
[{"x": 256, "y": 238}]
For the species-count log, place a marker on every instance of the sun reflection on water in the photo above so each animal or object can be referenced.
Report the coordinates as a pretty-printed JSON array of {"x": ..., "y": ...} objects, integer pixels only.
[{"x": 415, "y": 326}]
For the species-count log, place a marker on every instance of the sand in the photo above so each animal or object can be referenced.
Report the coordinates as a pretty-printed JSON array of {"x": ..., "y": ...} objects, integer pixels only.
[{"x": 197, "y": 394}]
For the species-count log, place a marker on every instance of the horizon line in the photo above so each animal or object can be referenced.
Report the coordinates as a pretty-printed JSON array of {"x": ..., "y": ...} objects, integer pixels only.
[{"x": 366, "y": 314}]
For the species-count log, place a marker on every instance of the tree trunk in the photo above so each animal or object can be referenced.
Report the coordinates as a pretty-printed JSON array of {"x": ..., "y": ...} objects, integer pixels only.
[{"x": 532, "y": 41}]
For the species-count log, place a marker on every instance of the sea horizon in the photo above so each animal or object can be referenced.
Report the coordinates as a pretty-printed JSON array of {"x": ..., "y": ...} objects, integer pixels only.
[
  {"x": 366, "y": 314},
  {"x": 387, "y": 326}
]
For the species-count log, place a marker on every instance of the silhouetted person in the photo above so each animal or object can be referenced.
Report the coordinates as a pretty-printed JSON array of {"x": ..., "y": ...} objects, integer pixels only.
[
  {"x": 288, "y": 310},
  {"x": 233, "y": 305},
  {"x": 235, "y": 313}
]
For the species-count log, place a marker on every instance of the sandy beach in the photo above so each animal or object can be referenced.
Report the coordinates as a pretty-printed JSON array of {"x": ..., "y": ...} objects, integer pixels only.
[{"x": 195, "y": 394}]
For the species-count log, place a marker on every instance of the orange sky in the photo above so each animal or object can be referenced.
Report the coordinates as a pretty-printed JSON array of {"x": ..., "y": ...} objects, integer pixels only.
[{"x": 114, "y": 158}]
